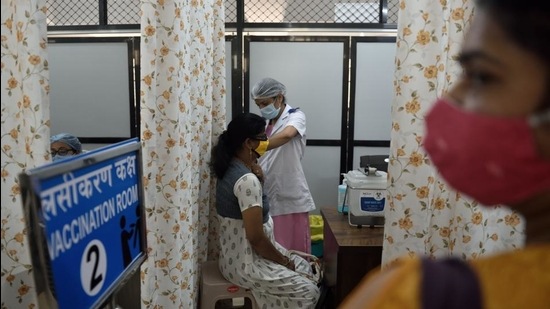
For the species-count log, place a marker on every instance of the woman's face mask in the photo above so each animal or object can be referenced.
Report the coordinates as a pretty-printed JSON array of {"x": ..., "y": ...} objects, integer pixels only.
[
  {"x": 269, "y": 112},
  {"x": 486, "y": 143},
  {"x": 492, "y": 159},
  {"x": 59, "y": 157},
  {"x": 61, "y": 153},
  {"x": 262, "y": 148}
]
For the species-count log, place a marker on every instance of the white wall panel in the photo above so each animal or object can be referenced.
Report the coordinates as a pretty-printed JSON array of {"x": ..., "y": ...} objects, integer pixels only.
[
  {"x": 374, "y": 90},
  {"x": 89, "y": 89},
  {"x": 312, "y": 73},
  {"x": 322, "y": 168}
]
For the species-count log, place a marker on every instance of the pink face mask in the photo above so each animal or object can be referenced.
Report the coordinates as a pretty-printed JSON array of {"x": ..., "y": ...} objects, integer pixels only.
[{"x": 493, "y": 160}]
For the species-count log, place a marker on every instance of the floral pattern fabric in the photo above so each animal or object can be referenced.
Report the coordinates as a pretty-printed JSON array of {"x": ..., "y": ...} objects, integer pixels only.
[
  {"x": 25, "y": 136},
  {"x": 182, "y": 112},
  {"x": 424, "y": 216}
]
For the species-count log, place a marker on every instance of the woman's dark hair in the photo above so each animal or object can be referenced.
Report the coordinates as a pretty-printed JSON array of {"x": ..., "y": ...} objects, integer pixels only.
[
  {"x": 527, "y": 23},
  {"x": 246, "y": 125}
]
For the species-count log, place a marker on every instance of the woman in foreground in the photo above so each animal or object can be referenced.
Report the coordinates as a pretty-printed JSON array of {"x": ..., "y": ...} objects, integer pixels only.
[{"x": 489, "y": 137}]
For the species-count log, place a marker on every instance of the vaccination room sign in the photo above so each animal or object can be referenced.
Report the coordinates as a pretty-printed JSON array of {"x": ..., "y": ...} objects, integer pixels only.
[{"x": 90, "y": 219}]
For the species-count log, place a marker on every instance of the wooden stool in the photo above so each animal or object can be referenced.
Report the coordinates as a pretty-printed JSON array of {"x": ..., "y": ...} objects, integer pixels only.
[{"x": 215, "y": 288}]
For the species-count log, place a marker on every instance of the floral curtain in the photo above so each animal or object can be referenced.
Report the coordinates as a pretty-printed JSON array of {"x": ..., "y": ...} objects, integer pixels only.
[
  {"x": 25, "y": 136},
  {"x": 425, "y": 216},
  {"x": 182, "y": 113}
]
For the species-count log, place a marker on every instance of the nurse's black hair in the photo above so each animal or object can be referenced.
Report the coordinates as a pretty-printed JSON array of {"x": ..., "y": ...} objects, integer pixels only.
[
  {"x": 527, "y": 24},
  {"x": 246, "y": 125}
]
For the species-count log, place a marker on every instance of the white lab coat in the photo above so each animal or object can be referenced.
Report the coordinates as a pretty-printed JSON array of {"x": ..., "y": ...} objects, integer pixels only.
[{"x": 285, "y": 183}]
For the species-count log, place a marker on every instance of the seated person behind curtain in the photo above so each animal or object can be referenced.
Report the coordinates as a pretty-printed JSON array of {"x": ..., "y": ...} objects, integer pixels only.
[
  {"x": 286, "y": 185},
  {"x": 489, "y": 137},
  {"x": 250, "y": 257},
  {"x": 64, "y": 145}
]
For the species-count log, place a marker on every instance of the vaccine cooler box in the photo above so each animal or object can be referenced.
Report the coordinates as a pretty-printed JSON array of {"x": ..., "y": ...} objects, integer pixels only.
[{"x": 367, "y": 197}]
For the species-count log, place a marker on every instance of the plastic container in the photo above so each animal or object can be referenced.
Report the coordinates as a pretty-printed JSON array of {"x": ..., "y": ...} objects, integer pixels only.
[
  {"x": 343, "y": 199},
  {"x": 317, "y": 248},
  {"x": 367, "y": 194},
  {"x": 316, "y": 231},
  {"x": 316, "y": 227}
]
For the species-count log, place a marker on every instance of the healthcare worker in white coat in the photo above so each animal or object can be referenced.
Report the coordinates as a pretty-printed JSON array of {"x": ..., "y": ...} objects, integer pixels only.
[{"x": 285, "y": 183}]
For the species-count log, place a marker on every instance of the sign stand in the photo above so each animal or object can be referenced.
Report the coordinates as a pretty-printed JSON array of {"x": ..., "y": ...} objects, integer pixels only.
[{"x": 86, "y": 222}]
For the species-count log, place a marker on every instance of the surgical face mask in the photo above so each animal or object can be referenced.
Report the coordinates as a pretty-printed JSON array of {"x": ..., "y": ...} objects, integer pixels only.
[
  {"x": 269, "y": 112},
  {"x": 491, "y": 159},
  {"x": 59, "y": 157},
  {"x": 262, "y": 148},
  {"x": 62, "y": 153}
]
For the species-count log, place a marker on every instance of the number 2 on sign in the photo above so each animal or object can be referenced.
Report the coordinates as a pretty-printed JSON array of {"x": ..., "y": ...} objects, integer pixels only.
[{"x": 93, "y": 267}]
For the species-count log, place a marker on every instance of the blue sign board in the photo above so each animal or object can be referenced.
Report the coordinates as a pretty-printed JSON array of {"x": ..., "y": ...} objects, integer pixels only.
[{"x": 89, "y": 212}]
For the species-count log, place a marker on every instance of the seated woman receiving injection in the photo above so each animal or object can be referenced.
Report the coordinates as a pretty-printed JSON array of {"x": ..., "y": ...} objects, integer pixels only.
[{"x": 250, "y": 257}]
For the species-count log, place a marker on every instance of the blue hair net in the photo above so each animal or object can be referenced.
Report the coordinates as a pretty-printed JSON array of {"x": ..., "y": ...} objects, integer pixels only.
[
  {"x": 267, "y": 88},
  {"x": 68, "y": 139}
]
